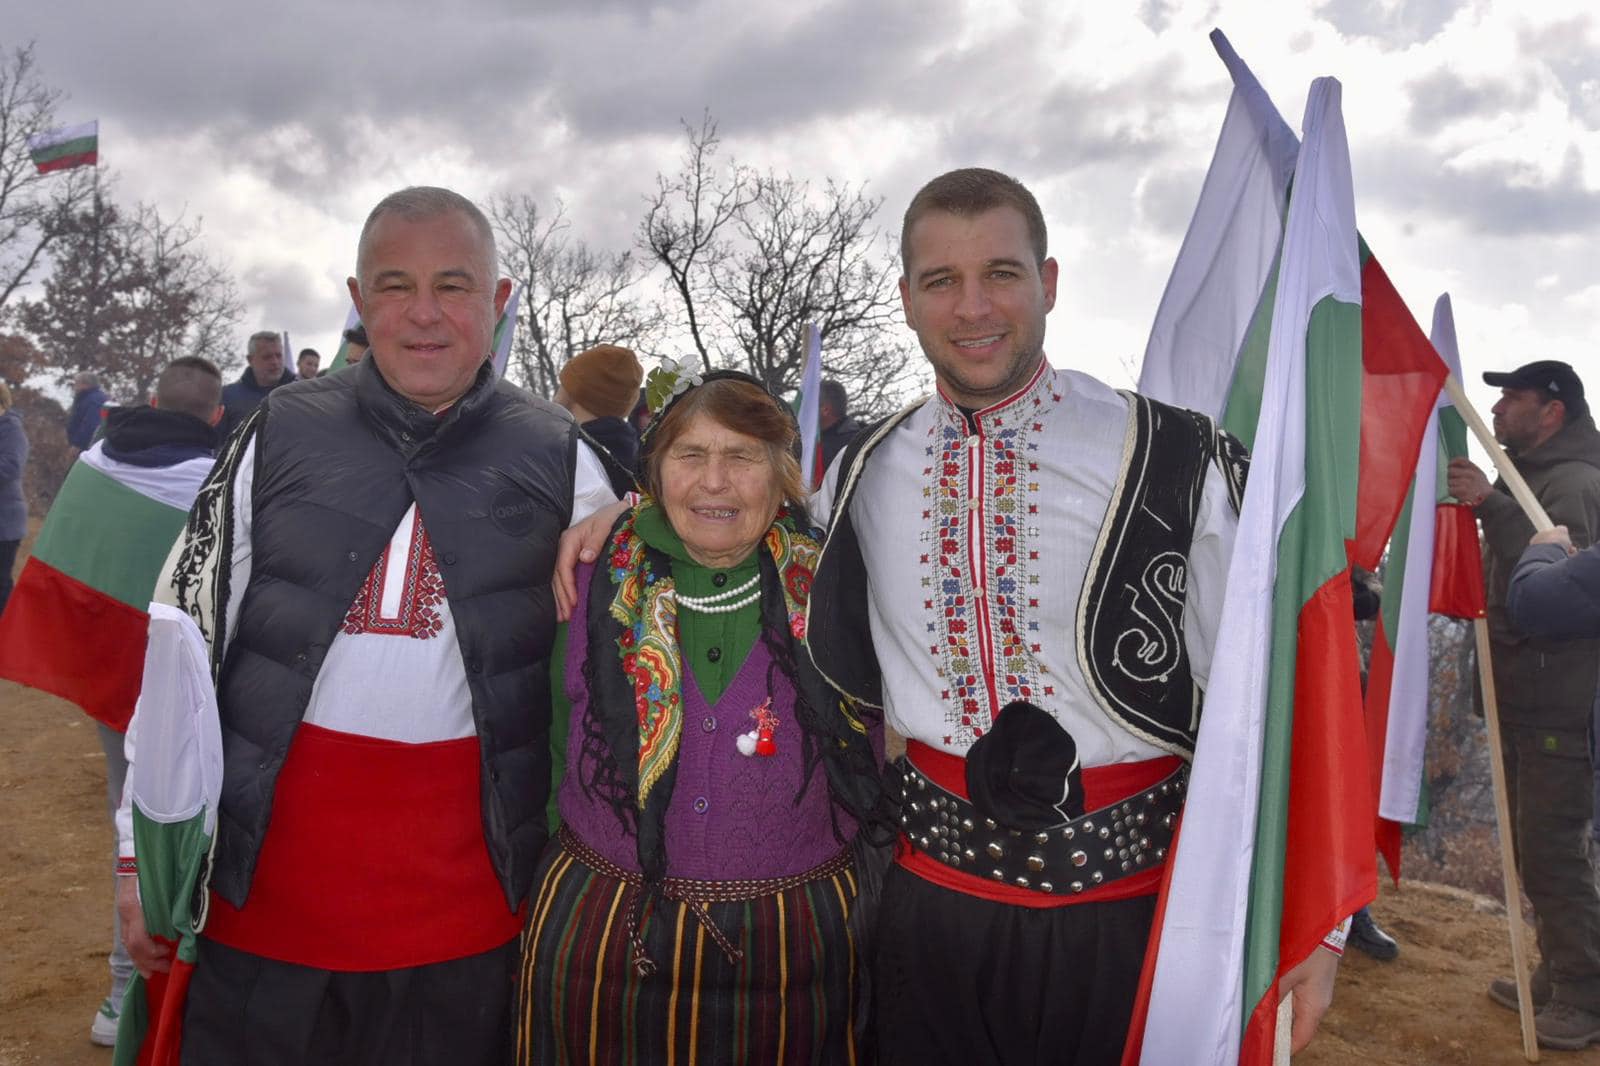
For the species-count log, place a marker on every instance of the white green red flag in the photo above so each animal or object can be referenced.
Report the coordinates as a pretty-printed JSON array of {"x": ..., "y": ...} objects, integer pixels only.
[
  {"x": 66, "y": 147},
  {"x": 810, "y": 413},
  {"x": 170, "y": 814},
  {"x": 505, "y": 331},
  {"x": 1430, "y": 543},
  {"x": 1253, "y": 888},
  {"x": 75, "y": 625}
]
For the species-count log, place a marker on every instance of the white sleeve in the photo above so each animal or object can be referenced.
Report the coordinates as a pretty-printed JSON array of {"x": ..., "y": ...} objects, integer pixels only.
[
  {"x": 1209, "y": 554},
  {"x": 239, "y": 564},
  {"x": 591, "y": 488},
  {"x": 124, "y": 817},
  {"x": 821, "y": 502}
]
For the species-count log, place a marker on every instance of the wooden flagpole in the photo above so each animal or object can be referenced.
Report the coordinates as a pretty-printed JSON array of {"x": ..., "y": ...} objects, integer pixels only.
[{"x": 1491, "y": 716}]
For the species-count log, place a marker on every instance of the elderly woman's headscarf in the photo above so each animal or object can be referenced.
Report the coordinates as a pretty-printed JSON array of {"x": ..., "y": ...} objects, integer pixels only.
[{"x": 633, "y": 676}]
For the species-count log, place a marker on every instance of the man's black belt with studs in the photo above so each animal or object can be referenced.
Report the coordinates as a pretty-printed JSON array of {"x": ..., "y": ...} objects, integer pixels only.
[{"x": 1127, "y": 837}]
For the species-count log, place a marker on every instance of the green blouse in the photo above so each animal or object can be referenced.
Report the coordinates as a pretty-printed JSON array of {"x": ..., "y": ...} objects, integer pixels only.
[{"x": 714, "y": 646}]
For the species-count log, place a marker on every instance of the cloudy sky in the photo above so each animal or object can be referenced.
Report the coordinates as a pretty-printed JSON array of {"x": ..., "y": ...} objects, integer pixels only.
[{"x": 1474, "y": 129}]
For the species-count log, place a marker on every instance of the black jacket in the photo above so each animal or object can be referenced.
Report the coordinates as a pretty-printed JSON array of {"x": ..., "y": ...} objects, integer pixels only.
[
  {"x": 617, "y": 444},
  {"x": 1555, "y": 595},
  {"x": 338, "y": 461}
]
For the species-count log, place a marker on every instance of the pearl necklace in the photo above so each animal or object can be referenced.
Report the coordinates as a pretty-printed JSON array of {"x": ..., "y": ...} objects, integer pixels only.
[{"x": 726, "y": 601}]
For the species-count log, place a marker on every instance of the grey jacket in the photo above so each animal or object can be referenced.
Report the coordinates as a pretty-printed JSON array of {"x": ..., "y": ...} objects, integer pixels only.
[
  {"x": 1540, "y": 681},
  {"x": 1556, "y": 595},
  {"x": 13, "y": 459}
]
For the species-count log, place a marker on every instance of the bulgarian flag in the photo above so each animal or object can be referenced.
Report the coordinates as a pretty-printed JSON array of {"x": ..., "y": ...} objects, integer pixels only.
[
  {"x": 169, "y": 815},
  {"x": 1438, "y": 549},
  {"x": 810, "y": 413},
  {"x": 505, "y": 331},
  {"x": 75, "y": 624},
  {"x": 66, "y": 147},
  {"x": 1279, "y": 309}
]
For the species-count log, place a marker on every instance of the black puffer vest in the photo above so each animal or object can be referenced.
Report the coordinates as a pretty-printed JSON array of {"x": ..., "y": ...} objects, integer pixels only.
[{"x": 338, "y": 461}]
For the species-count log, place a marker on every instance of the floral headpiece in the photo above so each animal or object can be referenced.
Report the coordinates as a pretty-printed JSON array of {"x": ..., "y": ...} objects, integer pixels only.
[{"x": 671, "y": 379}]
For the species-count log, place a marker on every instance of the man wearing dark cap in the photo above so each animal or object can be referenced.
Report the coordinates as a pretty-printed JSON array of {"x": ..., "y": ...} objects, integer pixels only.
[
  {"x": 1546, "y": 691},
  {"x": 599, "y": 387}
]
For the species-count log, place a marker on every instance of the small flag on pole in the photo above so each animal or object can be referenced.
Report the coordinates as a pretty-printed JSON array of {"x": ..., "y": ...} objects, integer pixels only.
[
  {"x": 341, "y": 359},
  {"x": 810, "y": 414},
  {"x": 66, "y": 147}
]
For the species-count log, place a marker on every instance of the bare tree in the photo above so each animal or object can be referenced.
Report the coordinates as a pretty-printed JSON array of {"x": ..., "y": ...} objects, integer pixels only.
[
  {"x": 33, "y": 206},
  {"x": 753, "y": 258},
  {"x": 125, "y": 296},
  {"x": 573, "y": 297},
  {"x": 683, "y": 227}
]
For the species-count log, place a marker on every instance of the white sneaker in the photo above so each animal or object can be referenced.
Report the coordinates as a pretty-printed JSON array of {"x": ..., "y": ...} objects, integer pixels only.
[{"x": 103, "y": 1033}]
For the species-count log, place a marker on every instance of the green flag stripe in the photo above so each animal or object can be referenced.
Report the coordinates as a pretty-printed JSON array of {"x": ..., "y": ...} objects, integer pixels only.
[
  {"x": 76, "y": 146},
  {"x": 125, "y": 569},
  {"x": 1311, "y": 552}
]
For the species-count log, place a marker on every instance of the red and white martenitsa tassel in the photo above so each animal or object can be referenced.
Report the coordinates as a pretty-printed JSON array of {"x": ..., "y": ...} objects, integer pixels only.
[{"x": 761, "y": 740}]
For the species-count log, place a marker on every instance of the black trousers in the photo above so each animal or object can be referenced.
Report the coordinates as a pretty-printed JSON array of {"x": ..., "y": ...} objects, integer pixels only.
[
  {"x": 245, "y": 1010},
  {"x": 965, "y": 981},
  {"x": 8, "y": 559}
]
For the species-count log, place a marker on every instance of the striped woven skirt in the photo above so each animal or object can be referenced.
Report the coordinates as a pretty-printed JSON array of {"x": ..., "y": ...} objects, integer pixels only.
[{"x": 789, "y": 995}]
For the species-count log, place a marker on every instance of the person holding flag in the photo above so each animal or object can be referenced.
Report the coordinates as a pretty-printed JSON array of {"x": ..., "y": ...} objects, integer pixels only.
[{"x": 1546, "y": 691}]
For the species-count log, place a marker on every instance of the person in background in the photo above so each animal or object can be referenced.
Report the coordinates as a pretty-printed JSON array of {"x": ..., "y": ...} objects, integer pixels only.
[
  {"x": 13, "y": 501},
  {"x": 84, "y": 418},
  {"x": 356, "y": 339},
  {"x": 838, "y": 428},
  {"x": 306, "y": 363},
  {"x": 263, "y": 372},
  {"x": 1546, "y": 691},
  {"x": 598, "y": 387},
  {"x": 703, "y": 884},
  {"x": 1366, "y": 594}
]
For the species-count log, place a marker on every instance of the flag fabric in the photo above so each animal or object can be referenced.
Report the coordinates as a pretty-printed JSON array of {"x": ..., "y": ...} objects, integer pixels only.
[
  {"x": 1397, "y": 685},
  {"x": 76, "y": 622},
  {"x": 1253, "y": 892},
  {"x": 810, "y": 413},
  {"x": 66, "y": 147},
  {"x": 340, "y": 360},
  {"x": 174, "y": 784},
  {"x": 505, "y": 331}
]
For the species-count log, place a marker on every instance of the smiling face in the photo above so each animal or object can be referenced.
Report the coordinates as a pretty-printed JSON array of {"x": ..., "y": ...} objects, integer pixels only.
[
  {"x": 720, "y": 490},
  {"x": 977, "y": 297},
  {"x": 428, "y": 298}
]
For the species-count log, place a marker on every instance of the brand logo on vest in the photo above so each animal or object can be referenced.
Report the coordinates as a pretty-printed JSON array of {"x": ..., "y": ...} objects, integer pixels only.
[{"x": 513, "y": 513}]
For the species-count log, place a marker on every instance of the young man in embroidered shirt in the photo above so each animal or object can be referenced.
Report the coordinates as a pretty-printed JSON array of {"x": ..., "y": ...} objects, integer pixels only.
[
  {"x": 1068, "y": 548},
  {"x": 370, "y": 565}
]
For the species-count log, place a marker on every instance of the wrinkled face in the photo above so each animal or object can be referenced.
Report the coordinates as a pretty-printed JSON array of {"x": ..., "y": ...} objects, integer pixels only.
[
  {"x": 266, "y": 361},
  {"x": 977, "y": 299},
  {"x": 720, "y": 491},
  {"x": 428, "y": 298},
  {"x": 1523, "y": 419},
  {"x": 307, "y": 365}
]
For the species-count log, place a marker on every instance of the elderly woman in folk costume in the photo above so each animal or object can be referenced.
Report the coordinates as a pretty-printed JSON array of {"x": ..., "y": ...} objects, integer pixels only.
[{"x": 700, "y": 901}]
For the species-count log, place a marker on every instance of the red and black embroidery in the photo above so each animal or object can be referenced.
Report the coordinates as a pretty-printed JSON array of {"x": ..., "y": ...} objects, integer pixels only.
[{"x": 417, "y": 615}]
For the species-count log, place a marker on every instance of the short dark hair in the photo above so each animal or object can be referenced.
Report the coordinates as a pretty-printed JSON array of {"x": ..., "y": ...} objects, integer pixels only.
[
  {"x": 190, "y": 384},
  {"x": 972, "y": 191},
  {"x": 357, "y": 334},
  {"x": 834, "y": 395},
  {"x": 308, "y": 351}
]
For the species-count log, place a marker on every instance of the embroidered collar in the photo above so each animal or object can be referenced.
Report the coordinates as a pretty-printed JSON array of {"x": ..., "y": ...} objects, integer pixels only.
[
  {"x": 1045, "y": 386},
  {"x": 645, "y": 604}
]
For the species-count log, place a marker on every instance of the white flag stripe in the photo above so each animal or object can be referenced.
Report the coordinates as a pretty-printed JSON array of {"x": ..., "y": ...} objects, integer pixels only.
[
  {"x": 502, "y": 350},
  {"x": 1227, "y": 254},
  {"x": 810, "y": 403},
  {"x": 1406, "y": 735},
  {"x": 175, "y": 486},
  {"x": 50, "y": 138},
  {"x": 1197, "y": 1001}
]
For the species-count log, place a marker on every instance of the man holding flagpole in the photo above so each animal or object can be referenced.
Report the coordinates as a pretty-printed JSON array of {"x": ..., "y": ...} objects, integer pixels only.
[{"x": 1546, "y": 691}]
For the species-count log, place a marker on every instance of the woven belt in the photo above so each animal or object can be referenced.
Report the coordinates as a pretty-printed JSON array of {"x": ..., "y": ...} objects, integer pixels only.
[
  {"x": 695, "y": 895},
  {"x": 1113, "y": 842}
]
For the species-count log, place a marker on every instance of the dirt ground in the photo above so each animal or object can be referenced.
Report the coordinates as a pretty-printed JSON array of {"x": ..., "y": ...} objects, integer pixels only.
[{"x": 55, "y": 918}]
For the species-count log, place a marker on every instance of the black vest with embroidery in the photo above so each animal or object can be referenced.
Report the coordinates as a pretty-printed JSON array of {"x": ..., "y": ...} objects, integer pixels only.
[
  {"x": 1129, "y": 634},
  {"x": 338, "y": 461}
]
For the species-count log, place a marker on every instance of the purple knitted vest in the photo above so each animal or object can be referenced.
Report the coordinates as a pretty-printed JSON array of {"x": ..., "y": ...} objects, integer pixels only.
[{"x": 732, "y": 816}]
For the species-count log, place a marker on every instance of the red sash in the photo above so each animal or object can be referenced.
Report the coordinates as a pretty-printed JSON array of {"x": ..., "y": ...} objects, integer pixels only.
[
  {"x": 374, "y": 859},
  {"x": 1102, "y": 786}
]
